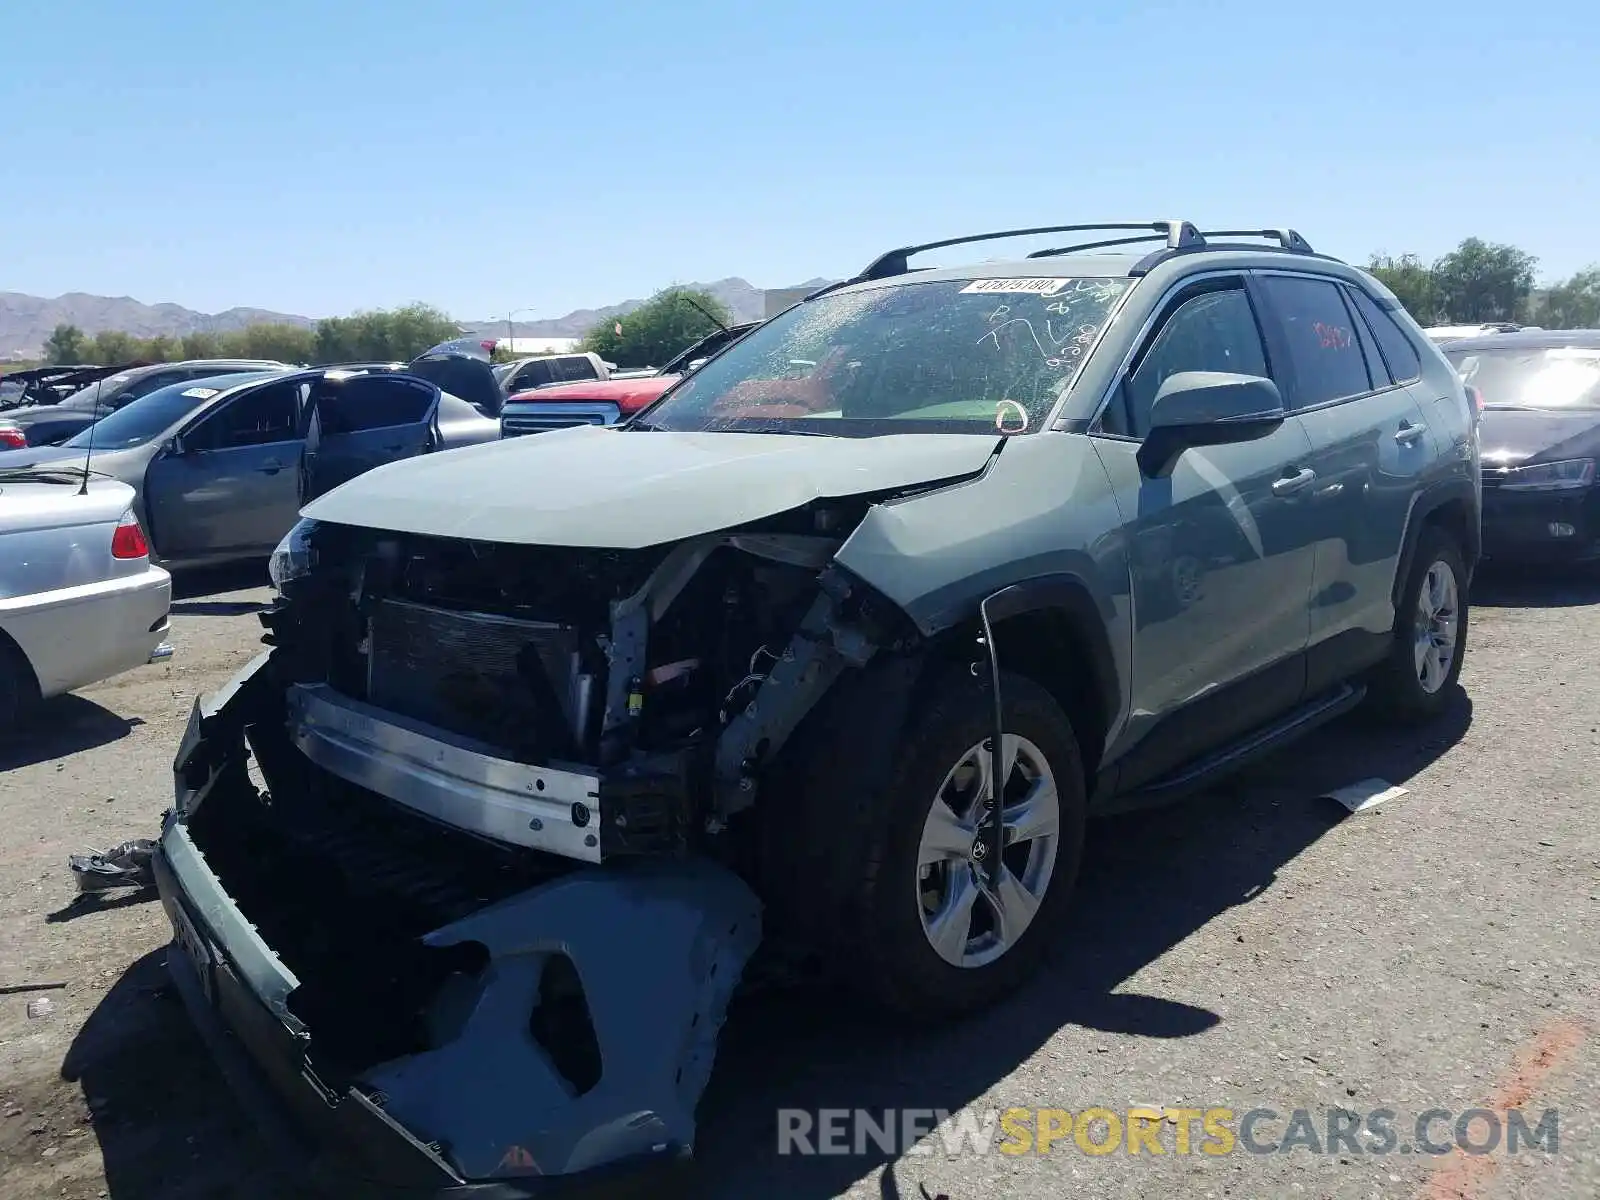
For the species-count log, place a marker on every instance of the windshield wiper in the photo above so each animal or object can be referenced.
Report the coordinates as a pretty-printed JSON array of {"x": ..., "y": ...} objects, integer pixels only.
[{"x": 62, "y": 474}]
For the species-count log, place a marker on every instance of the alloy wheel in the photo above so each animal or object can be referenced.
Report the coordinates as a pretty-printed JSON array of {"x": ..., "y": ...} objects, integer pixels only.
[
  {"x": 969, "y": 923},
  {"x": 1437, "y": 626}
]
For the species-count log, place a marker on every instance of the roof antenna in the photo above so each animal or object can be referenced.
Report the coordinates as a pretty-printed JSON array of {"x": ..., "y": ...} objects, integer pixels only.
[{"x": 88, "y": 454}]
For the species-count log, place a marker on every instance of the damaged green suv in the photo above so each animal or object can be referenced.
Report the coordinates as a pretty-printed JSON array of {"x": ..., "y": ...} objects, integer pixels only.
[{"x": 836, "y": 645}]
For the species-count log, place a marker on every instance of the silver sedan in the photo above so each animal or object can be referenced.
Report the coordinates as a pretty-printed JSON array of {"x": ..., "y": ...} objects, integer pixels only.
[{"x": 221, "y": 466}]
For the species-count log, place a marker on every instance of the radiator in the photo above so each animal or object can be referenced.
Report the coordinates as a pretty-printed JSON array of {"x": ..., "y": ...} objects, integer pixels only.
[{"x": 510, "y": 683}]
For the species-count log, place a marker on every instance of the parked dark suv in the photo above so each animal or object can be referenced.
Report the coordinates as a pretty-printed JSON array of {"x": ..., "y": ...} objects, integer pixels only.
[{"x": 841, "y": 640}]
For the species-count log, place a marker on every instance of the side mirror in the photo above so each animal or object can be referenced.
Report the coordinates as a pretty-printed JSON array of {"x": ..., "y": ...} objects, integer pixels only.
[{"x": 1207, "y": 408}]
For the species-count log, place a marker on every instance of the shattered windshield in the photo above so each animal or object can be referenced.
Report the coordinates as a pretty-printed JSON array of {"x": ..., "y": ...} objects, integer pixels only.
[
  {"x": 968, "y": 356},
  {"x": 1551, "y": 377}
]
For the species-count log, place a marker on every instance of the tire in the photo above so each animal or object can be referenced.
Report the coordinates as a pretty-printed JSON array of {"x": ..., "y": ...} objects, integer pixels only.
[
  {"x": 881, "y": 945},
  {"x": 1413, "y": 686},
  {"x": 18, "y": 690}
]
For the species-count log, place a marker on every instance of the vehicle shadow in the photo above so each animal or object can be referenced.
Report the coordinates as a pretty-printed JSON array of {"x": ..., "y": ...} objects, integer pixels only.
[
  {"x": 62, "y": 726},
  {"x": 217, "y": 608},
  {"x": 88, "y": 903},
  {"x": 1543, "y": 587},
  {"x": 188, "y": 583},
  {"x": 158, "y": 1107},
  {"x": 1149, "y": 881},
  {"x": 168, "y": 1128}
]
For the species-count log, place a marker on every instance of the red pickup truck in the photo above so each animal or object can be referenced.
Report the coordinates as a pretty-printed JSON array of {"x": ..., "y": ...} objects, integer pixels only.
[{"x": 607, "y": 401}]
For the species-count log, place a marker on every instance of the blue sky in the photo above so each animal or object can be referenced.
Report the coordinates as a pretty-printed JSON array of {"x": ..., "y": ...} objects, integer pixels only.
[{"x": 322, "y": 157}]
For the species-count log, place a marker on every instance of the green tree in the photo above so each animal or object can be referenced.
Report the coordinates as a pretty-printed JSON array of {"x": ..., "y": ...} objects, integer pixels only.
[
  {"x": 202, "y": 343},
  {"x": 1484, "y": 281},
  {"x": 1412, "y": 282},
  {"x": 65, "y": 346},
  {"x": 656, "y": 330},
  {"x": 111, "y": 346},
  {"x": 1573, "y": 303},
  {"x": 395, "y": 335},
  {"x": 158, "y": 349},
  {"x": 281, "y": 342}
]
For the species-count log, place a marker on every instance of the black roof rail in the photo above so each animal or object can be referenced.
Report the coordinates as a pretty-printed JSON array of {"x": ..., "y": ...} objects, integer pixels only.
[
  {"x": 1289, "y": 242},
  {"x": 1177, "y": 235}
]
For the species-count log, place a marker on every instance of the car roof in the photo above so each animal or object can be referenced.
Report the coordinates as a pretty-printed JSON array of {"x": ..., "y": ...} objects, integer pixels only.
[
  {"x": 230, "y": 381},
  {"x": 1526, "y": 339},
  {"x": 223, "y": 364}
]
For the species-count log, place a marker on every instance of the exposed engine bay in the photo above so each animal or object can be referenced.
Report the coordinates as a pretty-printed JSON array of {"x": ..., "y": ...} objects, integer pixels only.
[{"x": 587, "y": 703}]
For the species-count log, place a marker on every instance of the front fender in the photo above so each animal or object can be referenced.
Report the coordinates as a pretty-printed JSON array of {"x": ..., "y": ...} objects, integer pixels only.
[{"x": 1044, "y": 515}]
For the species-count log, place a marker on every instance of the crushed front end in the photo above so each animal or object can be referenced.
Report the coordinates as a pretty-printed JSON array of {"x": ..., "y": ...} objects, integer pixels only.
[{"x": 457, "y": 870}]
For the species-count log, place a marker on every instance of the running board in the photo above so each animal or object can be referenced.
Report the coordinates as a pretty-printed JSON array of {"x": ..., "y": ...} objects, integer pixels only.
[{"x": 1203, "y": 771}]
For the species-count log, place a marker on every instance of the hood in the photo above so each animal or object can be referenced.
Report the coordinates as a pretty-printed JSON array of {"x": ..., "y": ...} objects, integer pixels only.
[
  {"x": 629, "y": 395},
  {"x": 1513, "y": 436},
  {"x": 609, "y": 488}
]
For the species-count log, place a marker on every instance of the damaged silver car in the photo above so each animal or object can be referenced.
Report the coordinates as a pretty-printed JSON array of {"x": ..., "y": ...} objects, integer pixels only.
[{"x": 835, "y": 646}]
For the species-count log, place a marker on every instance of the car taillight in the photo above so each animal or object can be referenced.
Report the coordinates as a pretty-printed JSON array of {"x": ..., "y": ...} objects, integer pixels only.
[
  {"x": 128, "y": 541},
  {"x": 1475, "y": 398},
  {"x": 12, "y": 438}
]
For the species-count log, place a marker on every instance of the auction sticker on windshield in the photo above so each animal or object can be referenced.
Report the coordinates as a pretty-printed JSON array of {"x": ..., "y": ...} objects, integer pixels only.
[
  {"x": 200, "y": 393},
  {"x": 1016, "y": 287}
]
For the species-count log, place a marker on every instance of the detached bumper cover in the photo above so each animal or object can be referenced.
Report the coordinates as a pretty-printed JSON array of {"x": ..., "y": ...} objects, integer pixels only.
[{"x": 658, "y": 948}]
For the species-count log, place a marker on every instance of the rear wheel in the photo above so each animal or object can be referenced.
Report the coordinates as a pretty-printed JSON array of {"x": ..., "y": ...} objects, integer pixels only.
[{"x": 1430, "y": 634}]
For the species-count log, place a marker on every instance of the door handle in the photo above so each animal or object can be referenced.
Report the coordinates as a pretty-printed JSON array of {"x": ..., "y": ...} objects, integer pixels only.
[
  {"x": 1408, "y": 433},
  {"x": 271, "y": 467},
  {"x": 1290, "y": 484}
]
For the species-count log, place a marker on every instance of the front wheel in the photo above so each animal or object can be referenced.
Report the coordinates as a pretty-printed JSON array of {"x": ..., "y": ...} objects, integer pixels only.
[{"x": 935, "y": 938}]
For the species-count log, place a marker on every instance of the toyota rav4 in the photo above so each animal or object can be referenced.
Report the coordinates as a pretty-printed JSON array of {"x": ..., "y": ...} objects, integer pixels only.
[{"x": 842, "y": 640}]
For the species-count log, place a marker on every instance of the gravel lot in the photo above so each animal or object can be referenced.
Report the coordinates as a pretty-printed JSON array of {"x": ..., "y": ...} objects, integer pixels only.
[{"x": 1256, "y": 947}]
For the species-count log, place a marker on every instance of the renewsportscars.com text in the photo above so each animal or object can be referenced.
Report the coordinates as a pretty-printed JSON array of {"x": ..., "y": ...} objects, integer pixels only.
[{"x": 1157, "y": 1130}]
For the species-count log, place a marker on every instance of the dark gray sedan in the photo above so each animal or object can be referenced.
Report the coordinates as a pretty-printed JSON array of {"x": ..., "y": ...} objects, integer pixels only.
[
  {"x": 221, "y": 466},
  {"x": 53, "y": 424}
]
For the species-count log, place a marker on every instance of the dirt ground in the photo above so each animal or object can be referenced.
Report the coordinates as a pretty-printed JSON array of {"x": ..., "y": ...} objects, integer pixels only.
[{"x": 1257, "y": 946}]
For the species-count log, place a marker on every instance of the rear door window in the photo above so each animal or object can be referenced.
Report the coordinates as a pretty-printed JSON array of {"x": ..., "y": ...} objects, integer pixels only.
[
  {"x": 148, "y": 384},
  {"x": 1405, "y": 365},
  {"x": 1320, "y": 332},
  {"x": 576, "y": 368},
  {"x": 532, "y": 375}
]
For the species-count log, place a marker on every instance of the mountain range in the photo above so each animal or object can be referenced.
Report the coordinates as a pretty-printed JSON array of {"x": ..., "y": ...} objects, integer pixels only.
[{"x": 27, "y": 321}]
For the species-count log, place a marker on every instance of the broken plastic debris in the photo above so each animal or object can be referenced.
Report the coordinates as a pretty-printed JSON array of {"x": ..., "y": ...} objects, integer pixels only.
[
  {"x": 127, "y": 865},
  {"x": 1369, "y": 793}
]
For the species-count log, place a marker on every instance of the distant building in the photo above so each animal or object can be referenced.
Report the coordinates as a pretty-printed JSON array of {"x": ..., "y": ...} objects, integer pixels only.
[{"x": 536, "y": 345}]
